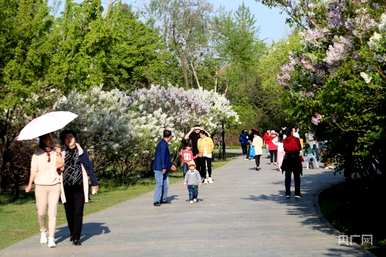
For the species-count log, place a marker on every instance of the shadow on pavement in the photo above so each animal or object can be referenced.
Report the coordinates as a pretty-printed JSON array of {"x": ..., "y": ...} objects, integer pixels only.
[{"x": 89, "y": 230}]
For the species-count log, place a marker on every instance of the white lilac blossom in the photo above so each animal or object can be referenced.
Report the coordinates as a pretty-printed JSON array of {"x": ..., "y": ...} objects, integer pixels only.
[
  {"x": 365, "y": 77},
  {"x": 374, "y": 40},
  {"x": 118, "y": 122},
  {"x": 314, "y": 37},
  {"x": 363, "y": 22},
  {"x": 338, "y": 50},
  {"x": 382, "y": 23}
]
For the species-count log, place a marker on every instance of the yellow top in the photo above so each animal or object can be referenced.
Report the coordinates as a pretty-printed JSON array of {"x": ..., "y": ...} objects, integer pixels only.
[{"x": 205, "y": 146}]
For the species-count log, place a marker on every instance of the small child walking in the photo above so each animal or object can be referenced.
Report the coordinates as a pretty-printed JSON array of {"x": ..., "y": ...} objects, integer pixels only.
[{"x": 192, "y": 180}]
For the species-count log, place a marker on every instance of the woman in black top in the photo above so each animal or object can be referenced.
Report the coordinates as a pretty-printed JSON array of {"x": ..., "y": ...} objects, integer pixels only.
[{"x": 77, "y": 169}]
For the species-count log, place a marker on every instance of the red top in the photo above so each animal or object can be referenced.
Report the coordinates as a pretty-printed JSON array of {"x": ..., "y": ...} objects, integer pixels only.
[
  {"x": 266, "y": 138},
  {"x": 271, "y": 145},
  {"x": 292, "y": 144},
  {"x": 186, "y": 155}
]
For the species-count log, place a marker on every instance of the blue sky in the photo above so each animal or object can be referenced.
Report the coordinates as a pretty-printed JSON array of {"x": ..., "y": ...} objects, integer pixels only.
[{"x": 270, "y": 22}]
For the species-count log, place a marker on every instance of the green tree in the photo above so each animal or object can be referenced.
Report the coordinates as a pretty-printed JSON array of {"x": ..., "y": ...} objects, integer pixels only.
[{"x": 183, "y": 25}]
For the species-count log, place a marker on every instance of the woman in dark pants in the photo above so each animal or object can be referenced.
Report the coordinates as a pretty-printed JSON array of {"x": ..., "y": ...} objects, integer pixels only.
[{"x": 77, "y": 169}]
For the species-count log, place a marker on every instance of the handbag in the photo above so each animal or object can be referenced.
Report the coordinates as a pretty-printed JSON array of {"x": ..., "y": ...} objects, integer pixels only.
[{"x": 252, "y": 152}]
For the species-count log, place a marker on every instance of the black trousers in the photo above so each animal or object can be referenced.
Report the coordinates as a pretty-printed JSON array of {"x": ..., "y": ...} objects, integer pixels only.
[
  {"x": 257, "y": 160},
  {"x": 288, "y": 175},
  {"x": 273, "y": 155},
  {"x": 244, "y": 148},
  {"x": 74, "y": 209},
  {"x": 205, "y": 163}
]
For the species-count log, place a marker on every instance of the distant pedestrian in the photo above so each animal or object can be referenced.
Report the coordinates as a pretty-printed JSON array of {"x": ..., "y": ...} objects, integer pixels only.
[
  {"x": 272, "y": 147},
  {"x": 266, "y": 140},
  {"x": 310, "y": 158},
  {"x": 161, "y": 166},
  {"x": 257, "y": 143},
  {"x": 280, "y": 151},
  {"x": 292, "y": 163},
  {"x": 244, "y": 142},
  {"x": 192, "y": 181},
  {"x": 205, "y": 150}
]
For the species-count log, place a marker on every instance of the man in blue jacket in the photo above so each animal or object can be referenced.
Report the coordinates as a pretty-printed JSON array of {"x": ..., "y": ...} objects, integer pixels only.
[{"x": 162, "y": 164}]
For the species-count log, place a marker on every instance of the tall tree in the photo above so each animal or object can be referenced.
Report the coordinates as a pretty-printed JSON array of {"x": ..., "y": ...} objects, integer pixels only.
[{"x": 184, "y": 27}]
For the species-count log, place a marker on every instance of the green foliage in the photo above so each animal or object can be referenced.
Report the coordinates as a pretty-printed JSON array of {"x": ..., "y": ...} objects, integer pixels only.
[{"x": 271, "y": 98}]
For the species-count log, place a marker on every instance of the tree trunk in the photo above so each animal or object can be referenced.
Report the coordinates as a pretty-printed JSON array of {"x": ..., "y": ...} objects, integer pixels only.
[{"x": 195, "y": 75}]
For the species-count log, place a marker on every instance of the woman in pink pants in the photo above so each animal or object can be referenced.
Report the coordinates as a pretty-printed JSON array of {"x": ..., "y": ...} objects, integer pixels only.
[{"x": 280, "y": 152}]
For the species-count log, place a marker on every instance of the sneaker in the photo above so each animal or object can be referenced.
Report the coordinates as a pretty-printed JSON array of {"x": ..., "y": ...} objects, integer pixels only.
[
  {"x": 298, "y": 196},
  {"x": 191, "y": 201},
  {"x": 43, "y": 238},
  {"x": 195, "y": 200},
  {"x": 157, "y": 204},
  {"x": 206, "y": 181},
  {"x": 51, "y": 242},
  {"x": 210, "y": 181},
  {"x": 287, "y": 196}
]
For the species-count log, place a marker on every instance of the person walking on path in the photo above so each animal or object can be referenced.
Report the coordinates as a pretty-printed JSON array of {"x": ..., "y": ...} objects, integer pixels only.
[
  {"x": 272, "y": 147},
  {"x": 192, "y": 181},
  {"x": 257, "y": 143},
  {"x": 78, "y": 168},
  {"x": 280, "y": 151},
  {"x": 244, "y": 141},
  {"x": 162, "y": 164},
  {"x": 205, "y": 149},
  {"x": 266, "y": 139},
  {"x": 186, "y": 155},
  {"x": 292, "y": 163},
  {"x": 46, "y": 165}
]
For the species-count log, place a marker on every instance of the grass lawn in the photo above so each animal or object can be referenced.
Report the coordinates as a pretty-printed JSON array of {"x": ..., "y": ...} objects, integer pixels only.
[
  {"x": 357, "y": 208},
  {"x": 18, "y": 219}
]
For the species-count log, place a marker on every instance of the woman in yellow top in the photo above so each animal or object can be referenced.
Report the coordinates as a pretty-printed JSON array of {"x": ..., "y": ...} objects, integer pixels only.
[{"x": 205, "y": 147}]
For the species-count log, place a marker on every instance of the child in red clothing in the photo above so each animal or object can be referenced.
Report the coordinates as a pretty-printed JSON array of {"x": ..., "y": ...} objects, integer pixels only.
[{"x": 186, "y": 156}]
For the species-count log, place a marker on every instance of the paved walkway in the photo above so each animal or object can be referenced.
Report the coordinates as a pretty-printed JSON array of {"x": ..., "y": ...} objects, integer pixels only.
[{"x": 244, "y": 214}]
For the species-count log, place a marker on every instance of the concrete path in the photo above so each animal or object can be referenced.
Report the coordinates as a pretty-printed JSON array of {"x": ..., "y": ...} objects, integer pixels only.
[{"x": 244, "y": 214}]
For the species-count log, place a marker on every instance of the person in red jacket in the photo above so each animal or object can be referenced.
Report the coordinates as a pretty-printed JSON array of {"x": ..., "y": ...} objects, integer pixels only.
[
  {"x": 292, "y": 163},
  {"x": 272, "y": 146}
]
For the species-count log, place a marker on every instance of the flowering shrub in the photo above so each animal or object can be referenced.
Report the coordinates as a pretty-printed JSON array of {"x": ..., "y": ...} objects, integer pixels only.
[
  {"x": 339, "y": 74},
  {"x": 121, "y": 131}
]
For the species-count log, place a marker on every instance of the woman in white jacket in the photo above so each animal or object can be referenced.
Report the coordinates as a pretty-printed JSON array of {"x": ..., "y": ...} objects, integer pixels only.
[{"x": 257, "y": 143}]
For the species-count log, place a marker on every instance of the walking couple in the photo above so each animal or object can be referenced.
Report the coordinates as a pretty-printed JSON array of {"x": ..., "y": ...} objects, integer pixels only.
[{"x": 61, "y": 174}]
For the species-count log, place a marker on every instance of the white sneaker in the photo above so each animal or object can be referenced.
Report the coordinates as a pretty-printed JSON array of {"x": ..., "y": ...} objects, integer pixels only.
[
  {"x": 206, "y": 181},
  {"x": 43, "y": 238},
  {"x": 210, "y": 181},
  {"x": 195, "y": 200},
  {"x": 51, "y": 242},
  {"x": 191, "y": 201}
]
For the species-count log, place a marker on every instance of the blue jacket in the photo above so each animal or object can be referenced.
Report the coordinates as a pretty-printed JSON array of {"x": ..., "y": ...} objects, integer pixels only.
[
  {"x": 162, "y": 156},
  {"x": 243, "y": 139}
]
